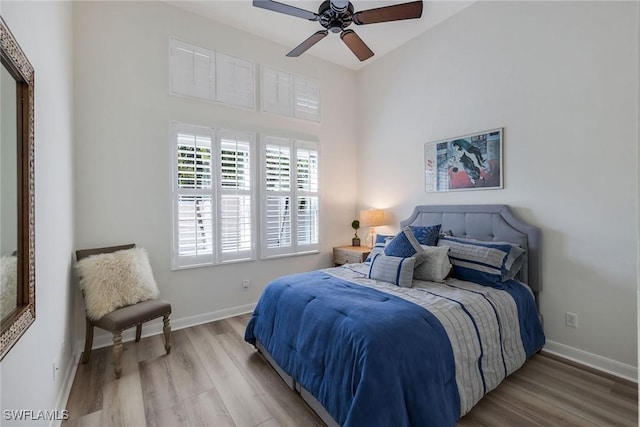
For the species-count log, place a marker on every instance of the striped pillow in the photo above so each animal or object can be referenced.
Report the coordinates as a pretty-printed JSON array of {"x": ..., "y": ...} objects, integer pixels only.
[
  {"x": 391, "y": 269},
  {"x": 479, "y": 262},
  {"x": 378, "y": 247}
]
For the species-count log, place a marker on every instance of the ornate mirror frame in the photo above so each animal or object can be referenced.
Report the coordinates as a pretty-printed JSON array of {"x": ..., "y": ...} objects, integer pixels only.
[{"x": 14, "y": 60}]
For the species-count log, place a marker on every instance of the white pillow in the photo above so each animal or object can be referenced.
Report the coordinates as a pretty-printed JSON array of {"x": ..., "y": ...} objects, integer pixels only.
[
  {"x": 116, "y": 279},
  {"x": 436, "y": 265},
  {"x": 391, "y": 269}
]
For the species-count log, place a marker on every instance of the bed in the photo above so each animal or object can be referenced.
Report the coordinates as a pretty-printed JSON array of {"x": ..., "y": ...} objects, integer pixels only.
[{"x": 366, "y": 352}]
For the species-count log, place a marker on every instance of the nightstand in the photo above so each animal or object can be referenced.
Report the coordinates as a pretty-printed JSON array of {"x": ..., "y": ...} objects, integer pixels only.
[{"x": 350, "y": 254}]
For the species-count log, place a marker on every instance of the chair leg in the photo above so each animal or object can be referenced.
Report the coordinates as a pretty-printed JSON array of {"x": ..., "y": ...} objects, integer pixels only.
[
  {"x": 117, "y": 353},
  {"x": 167, "y": 333},
  {"x": 88, "y": 342},
  {"x": 138, "y": 331}
]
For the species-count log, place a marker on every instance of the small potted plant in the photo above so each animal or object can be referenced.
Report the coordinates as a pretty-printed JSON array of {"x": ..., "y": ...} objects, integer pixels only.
[{"x": 355, "y": 224}]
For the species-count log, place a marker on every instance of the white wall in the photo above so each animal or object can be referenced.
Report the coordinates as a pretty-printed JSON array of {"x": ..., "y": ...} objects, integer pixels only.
[
  {"x": 43, "y": 30},
  {"x": 562, "y": 79},
  {"x": 123, "y": 164}
]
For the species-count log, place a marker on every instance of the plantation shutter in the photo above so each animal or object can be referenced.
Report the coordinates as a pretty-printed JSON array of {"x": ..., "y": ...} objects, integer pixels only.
[
  {"x": 236, "y": 227},
  {"x": 235, "y": 81},
  {"x": 192, "y": 70},
  {"x": 307, "y": 196},
  {"x": 277, "y": 91},
  {"x": 306, "y": 98},
  {"x": 193, "y": 202},
  {"x": 277, "y": 221},
  {"x": 290, "y": 197}
]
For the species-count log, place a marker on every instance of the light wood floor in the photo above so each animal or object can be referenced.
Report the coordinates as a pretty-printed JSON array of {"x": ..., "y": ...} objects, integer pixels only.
[{"x": 213, "y": 378}]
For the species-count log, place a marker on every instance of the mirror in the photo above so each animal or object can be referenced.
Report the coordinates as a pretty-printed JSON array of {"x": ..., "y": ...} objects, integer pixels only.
[{"x": 17, "y": 220}]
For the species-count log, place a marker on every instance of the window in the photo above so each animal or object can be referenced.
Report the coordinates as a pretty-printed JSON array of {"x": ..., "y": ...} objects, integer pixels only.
[
  {"x": 290, "y": 94},
  {"x": 307, "y": 98},
  {"x": 290, "y": 197},
  {"x": 213, "y": 196},
  {"x": 204, "y": 73},
  {"x": 277, "y": 90},
  {"x": 192, "y": 70}
]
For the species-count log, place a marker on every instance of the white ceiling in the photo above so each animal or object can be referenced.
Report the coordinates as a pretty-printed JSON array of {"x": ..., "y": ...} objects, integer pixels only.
[{"x": 291, "y": 31}]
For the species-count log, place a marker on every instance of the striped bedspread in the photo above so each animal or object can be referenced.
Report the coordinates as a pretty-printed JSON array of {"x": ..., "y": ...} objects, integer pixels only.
[
  {"x": 375, "y": 354},
  {"x": 482, "y": 324}
]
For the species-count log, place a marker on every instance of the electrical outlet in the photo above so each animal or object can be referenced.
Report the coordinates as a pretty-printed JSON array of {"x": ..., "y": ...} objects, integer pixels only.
[
  {"x": 245, "y": 284},
  {"x": 571, "y": 320}
]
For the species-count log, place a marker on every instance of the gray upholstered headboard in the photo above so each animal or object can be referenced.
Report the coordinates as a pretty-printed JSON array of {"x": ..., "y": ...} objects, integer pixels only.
[{"x": 489, "y": 223}]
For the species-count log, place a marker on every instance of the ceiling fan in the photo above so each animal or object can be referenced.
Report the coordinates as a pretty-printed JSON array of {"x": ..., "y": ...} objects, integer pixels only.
[{"x": 337, "y": 15}]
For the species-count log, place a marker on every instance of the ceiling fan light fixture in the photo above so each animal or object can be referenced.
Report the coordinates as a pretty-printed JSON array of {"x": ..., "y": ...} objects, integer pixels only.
[
  {"x": 336, "y": 15},
  {"x": 339, "y": 5}
]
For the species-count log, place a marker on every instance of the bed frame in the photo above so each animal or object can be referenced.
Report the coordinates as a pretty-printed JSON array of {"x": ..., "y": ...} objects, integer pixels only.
[
  {"x": 489, "y": 223},
  {"x": 481, "y": 222}
]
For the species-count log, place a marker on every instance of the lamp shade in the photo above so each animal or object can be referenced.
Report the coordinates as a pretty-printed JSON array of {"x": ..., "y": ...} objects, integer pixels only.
[{"x": 371, "y": 218}]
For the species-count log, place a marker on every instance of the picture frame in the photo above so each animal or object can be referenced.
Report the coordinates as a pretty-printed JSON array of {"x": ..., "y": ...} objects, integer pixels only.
[{"x": 467, "y": 162}]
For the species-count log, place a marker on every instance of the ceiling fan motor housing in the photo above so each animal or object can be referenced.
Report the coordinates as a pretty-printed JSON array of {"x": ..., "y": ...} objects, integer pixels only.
[{"x": 334, "y": 19}]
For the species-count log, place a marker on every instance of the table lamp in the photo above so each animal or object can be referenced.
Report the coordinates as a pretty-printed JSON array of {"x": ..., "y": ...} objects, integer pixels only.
[{"x": 371, "y": 218}]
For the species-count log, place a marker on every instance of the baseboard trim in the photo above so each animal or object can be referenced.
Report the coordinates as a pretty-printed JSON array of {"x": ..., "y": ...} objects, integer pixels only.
[
  {"x": 154, "y": 328},
  {"x": 65, "y": 390},
  {"x": 595, "y": 361}
]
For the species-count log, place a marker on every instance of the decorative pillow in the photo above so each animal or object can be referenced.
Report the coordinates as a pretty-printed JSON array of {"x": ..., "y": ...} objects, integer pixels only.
[
  {"x": 378, "y": 246},
  {"x": 396, "y": 270},
  {"x": 479, "y": 262},
  {"x": 426, "y": 235},
  {"x": 436, "y": 265},
  {"x": 405, "y": 245},
  {"x": 116, "y": 279},
  {"x": 514, "y": 261}
]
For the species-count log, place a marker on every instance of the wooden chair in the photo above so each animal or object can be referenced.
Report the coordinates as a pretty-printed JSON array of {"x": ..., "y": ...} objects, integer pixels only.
[{"x": 125, "y": 317}]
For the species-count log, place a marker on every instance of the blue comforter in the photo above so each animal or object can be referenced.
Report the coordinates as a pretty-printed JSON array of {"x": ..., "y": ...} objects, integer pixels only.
[{"x": 370, "y": 358}]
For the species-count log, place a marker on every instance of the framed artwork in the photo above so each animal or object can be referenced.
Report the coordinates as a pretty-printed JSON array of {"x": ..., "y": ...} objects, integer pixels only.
[{"x": 469, "y": 162}]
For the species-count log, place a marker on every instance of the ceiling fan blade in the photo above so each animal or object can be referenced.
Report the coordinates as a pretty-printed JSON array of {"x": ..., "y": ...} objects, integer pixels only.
[
  {"x": 305, "y": 45},
  {"x": 286, "y": 9},
  {"x": 394, "y": 12},
  {"x": 357, "y": 46}
]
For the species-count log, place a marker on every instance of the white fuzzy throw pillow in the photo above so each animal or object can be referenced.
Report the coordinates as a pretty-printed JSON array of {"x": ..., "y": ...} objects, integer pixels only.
[{"x": 116, "y": 279}]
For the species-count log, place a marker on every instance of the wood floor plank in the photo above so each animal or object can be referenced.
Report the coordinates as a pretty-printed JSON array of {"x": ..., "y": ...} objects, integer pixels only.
[
  {"x": 207, "y": 409},
  {"x": 287, "y": 408},
  {"x": 123, "y": 398},
  {"x": 214, "y": 378},
  {"x": 86, "y": 392},
  {"x": 175, "y": 416},
  {"x": 161, "y": 392},
  {"x": 94, "y": 419},
  {"x": 150, "y": 348},
  {"x": 271, "y": 422},
  {"x": 578, "y": 402},
  {"x": 240, "y": 399},
  {"x": 189, "y": 373}
]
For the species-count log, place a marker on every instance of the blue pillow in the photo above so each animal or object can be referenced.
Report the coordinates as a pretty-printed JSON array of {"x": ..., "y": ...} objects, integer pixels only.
[
  {"x": 381, "y": 238},
  {"x": 427, "y": 236},
  {"x": 404, "y": 245},
  {"x": 378, "y": 247},
  {"x": 479, "y": 262}
]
